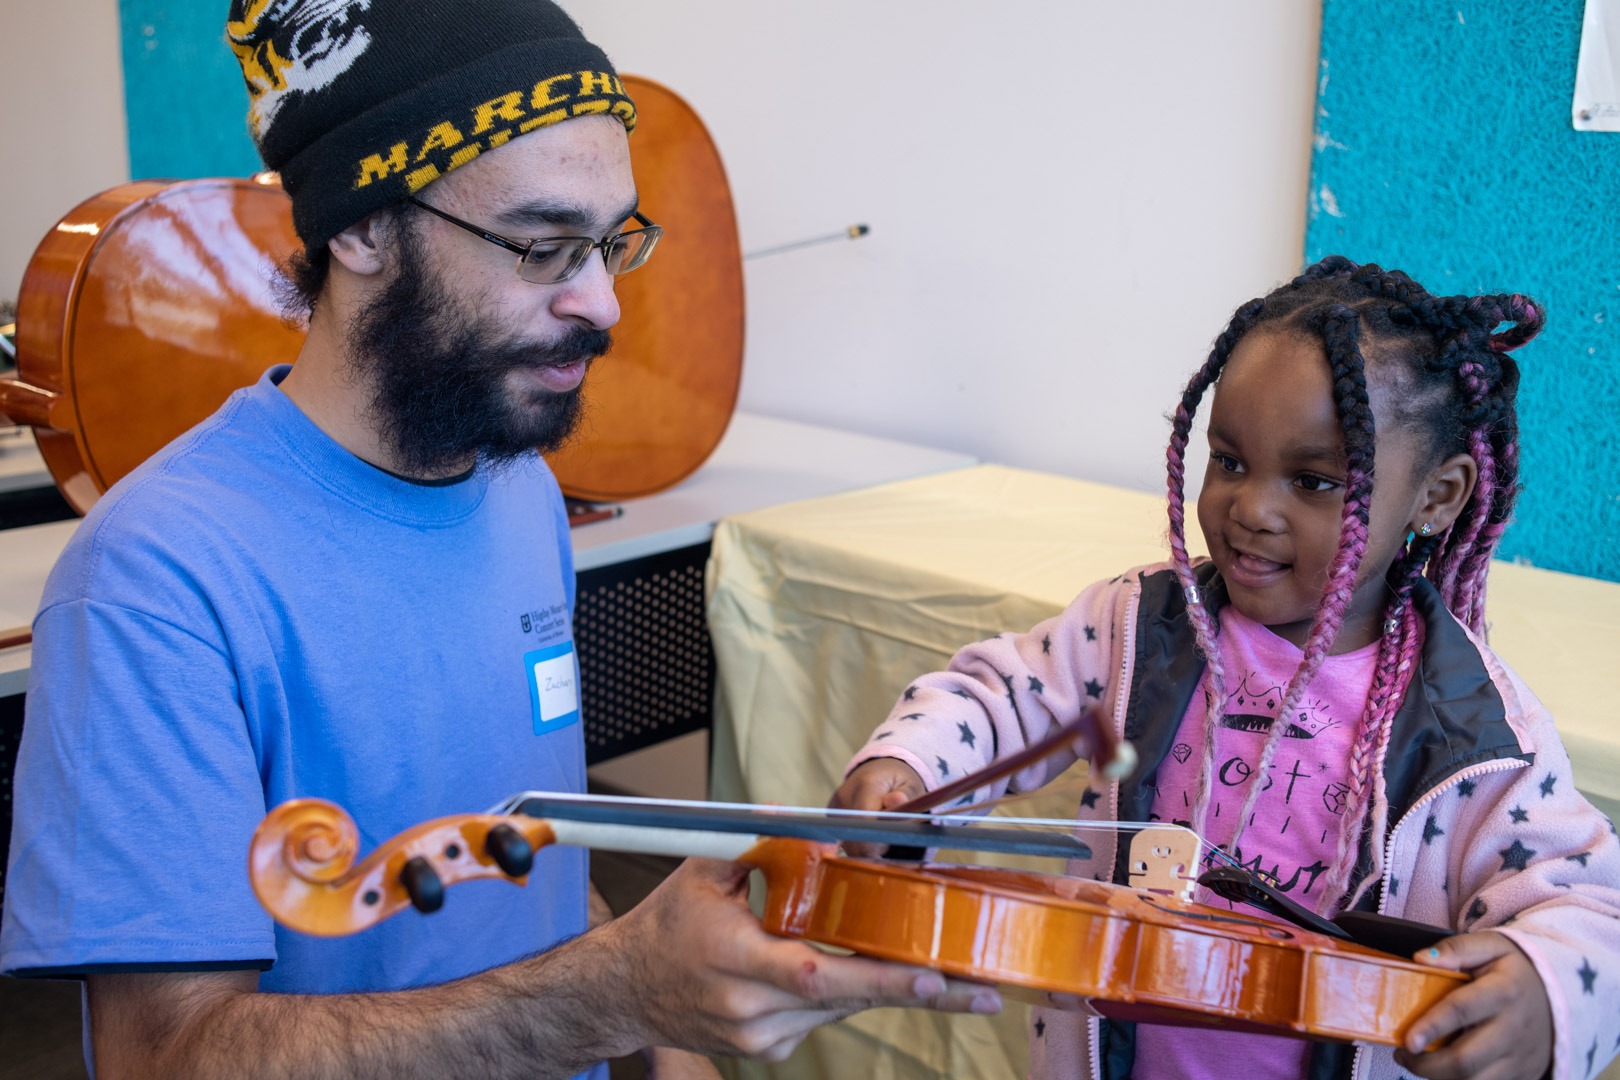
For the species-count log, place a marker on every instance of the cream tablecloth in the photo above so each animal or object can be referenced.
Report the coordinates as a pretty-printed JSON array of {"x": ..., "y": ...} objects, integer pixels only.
[{"x": 823, "y": 610}]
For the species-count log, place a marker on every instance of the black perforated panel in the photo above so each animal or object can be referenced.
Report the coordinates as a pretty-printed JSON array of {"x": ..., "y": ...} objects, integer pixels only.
[
  {"x": 11, "y": 718},
  {"x": 646, "y": 663}
]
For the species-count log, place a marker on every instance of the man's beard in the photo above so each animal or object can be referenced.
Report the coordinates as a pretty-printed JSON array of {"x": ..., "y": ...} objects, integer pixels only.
[{"x": 438, "y": 375}]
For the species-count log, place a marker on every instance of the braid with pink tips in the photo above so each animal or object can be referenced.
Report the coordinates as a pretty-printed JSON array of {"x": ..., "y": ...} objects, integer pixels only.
[
  {"x": 1457, "y": 386},
  {"x": 1203, "y": 625},
  {"x": 1397, "y": 652},
  {"x": 1340, "y": 335}
]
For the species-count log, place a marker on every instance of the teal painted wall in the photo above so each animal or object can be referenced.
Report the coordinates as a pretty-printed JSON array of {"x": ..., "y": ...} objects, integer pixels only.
[
  {"x": 1444, "y": 148},
  {"x": 183, "y": 92}
]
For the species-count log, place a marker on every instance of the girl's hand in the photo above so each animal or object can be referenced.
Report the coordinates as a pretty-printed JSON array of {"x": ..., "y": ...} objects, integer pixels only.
[
  {"x": 877, "y": 784},
  {"x": 1503, "y": 1016}
]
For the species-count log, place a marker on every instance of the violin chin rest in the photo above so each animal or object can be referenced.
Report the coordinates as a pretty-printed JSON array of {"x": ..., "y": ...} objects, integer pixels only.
[{"x": 1386, "y": 933}]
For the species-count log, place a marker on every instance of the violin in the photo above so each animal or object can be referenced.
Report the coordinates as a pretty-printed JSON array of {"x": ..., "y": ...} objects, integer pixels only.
[{"x": 1130, "y": 953}]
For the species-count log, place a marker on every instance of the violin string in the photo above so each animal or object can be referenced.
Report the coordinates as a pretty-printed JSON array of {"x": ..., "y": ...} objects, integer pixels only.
[{"x": 1072, "y": 826}]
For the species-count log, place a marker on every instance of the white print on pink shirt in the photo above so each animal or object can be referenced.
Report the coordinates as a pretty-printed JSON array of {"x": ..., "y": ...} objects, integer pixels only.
[{"x": 1293, "y": 830}]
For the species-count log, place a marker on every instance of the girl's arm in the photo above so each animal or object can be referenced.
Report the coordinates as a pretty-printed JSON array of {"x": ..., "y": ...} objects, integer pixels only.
[
  {"x": 999, "y": 695},
  {"x": 1526, "y": 860}
]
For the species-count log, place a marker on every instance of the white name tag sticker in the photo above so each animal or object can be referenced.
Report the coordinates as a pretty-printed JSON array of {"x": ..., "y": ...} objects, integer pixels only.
[{"x": 553, "y": 687}]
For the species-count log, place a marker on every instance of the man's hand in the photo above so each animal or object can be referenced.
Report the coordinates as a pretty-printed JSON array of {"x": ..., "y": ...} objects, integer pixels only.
[
  {"x": 666, "y": 1064},
  {"x": 690, "y": 967},
  {"x": 703, "y": 974},
  {"x": 1503, "y": 1017},
  {"x": 877, "y": 784}
]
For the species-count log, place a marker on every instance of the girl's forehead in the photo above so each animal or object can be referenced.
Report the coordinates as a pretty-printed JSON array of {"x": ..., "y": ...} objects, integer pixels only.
[
  {"x": 1280, "y": 381},
  {"x": 1275, "y": 366}
]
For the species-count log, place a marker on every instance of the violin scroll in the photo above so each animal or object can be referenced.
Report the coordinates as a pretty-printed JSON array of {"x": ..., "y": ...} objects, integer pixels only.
[
  {"x": 319, "y": 840},
  {"x": 302, "y": 864}
]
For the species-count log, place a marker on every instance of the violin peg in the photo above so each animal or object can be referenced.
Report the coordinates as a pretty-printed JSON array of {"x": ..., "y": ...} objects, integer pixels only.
[
  {"x": 510, "y": 850},
  {"x": 424, "y": 885}
]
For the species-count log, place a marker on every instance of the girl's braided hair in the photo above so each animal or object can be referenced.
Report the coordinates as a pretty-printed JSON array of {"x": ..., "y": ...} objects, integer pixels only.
[{"x": 1457, "y": 386}]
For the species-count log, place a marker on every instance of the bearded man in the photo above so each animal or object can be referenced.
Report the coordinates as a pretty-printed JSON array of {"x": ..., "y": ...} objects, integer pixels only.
[{"x": 318, "y": 592}]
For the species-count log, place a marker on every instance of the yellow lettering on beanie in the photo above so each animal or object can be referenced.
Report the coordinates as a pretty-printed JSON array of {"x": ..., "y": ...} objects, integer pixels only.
[
  {"x": 442, "y": 137},
  {"x": 544, "y": 94},
  {"x": 508, "y": 107},
  {"x": 421, "y": 178},
  {"x": 555, "y": 116},
  {"x": 595, "y": 82},
  {"x": 377, "y": 167},
  {"x": 585, "y": 108}
]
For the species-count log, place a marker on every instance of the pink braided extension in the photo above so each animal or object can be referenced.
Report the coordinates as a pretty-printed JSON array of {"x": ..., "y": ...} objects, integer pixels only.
[
  {"x": 1397, "y": 654},
  {"x": 1204, "y": 628},
  {"x": 1473, "y": 558},
  {"x": 1198, "y": 614},
  {"x": 1341, "y": 586}
]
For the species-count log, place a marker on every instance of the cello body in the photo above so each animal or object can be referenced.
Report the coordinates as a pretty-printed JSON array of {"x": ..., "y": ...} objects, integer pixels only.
[{"x": 147, "y": 305}]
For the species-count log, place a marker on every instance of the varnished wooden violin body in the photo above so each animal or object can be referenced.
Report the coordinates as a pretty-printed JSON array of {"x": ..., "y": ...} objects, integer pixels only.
[{"x": 1125, "y": 953}]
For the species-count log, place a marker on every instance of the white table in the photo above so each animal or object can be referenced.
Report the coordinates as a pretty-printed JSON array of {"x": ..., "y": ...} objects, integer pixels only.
[
  {"x": 760, "y": 462},
  {"x": 21, "y": 467}
]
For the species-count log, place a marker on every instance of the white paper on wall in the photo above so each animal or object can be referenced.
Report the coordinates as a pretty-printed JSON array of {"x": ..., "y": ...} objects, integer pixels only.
[{"x": 1597, "y": 73}]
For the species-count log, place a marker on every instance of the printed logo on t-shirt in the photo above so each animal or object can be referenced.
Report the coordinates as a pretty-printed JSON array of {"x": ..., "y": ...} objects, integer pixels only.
[
  {"x": 553, "y": 675},
  {"x": 550, "y": 622}
]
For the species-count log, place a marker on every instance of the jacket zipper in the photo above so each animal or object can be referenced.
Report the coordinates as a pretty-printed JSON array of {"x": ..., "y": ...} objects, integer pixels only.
[
  {"x": 1121, "y": 703},
  {"x": 1499, "y": 765}
]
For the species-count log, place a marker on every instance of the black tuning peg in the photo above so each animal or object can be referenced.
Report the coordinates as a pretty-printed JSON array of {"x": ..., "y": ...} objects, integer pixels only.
[
  {"x": 510, "y": 850},
  {"x": 424, "y": 885}
]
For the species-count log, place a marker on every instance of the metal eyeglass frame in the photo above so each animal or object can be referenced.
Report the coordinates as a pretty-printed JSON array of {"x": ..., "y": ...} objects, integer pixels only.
[{"x": 650, "y": 231}]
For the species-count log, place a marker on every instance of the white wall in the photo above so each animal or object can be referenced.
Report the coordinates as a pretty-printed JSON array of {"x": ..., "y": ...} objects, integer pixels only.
[
  {"x": 1067, "y": 198},
  {"x": 62, "y": 127}
]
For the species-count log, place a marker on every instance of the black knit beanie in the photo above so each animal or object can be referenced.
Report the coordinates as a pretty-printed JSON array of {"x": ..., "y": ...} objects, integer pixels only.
[{"x": 358, "y": 103}]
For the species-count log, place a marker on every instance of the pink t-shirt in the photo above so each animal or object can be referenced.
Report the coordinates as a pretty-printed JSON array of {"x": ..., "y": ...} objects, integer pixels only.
[{"x": 1294, "y": 829}]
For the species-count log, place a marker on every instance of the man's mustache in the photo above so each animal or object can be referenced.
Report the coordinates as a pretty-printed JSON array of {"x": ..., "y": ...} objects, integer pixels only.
[{"x": 581, "y": 343}]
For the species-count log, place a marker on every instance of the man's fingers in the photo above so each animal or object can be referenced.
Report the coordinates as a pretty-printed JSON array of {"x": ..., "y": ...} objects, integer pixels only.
[
  {"x": 851, "y": 982},
  {"x": 1465, "y": 952},
  {"x": 729, "y": 879},
  {"x": 1463, "y": 1007}
]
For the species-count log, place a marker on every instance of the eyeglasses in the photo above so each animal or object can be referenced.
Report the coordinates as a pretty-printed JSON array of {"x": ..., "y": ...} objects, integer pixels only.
[{"x": 555, "y": 259}]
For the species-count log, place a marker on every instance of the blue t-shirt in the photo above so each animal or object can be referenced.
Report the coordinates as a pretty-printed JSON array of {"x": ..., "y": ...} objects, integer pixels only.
[{"x": 254, "y": 615}]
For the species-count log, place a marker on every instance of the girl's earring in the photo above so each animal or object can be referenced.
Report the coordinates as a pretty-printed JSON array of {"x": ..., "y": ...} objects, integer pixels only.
[{"x": 1426, "y": 530}]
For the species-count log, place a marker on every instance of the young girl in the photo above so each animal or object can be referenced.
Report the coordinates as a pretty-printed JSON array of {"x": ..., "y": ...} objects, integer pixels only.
[{"x": 1317, "y": 698}]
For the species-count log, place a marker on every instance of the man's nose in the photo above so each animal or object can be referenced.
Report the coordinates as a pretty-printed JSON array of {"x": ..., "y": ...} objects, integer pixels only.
[{"x": 588, "y": 295}]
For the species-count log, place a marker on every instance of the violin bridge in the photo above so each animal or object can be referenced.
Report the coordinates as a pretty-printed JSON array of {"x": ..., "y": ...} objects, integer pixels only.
[{"x": 1165, "y": 860}]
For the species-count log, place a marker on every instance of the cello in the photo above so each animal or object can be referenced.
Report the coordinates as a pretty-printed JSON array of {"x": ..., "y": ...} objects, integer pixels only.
[
  {"x": 1146, "y": 953},
  {"x": 146, "y": 306}
]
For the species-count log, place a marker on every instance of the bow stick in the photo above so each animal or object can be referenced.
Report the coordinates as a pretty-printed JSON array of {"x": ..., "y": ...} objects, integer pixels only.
[{"x": 1113, "y": 755}]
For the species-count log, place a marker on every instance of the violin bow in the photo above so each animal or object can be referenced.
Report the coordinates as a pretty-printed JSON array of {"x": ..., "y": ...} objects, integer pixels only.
[{"x": 1113, "y": 755}]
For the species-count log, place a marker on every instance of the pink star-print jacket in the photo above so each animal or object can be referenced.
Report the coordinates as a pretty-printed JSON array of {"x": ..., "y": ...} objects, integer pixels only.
[{"x": 1487, "y": 830}]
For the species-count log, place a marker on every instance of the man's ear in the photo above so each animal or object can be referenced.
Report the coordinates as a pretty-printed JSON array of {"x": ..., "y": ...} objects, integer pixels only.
[
  {"x": 359, "y": 247},
  {"x": 1446, "y": 493}
]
